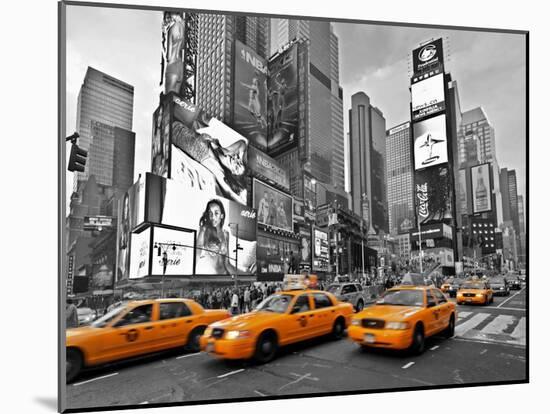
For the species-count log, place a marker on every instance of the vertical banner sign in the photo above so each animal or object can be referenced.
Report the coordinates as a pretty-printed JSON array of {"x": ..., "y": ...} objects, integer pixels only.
[
  {"x": 433, "y": 192},
  {"x": 462, "y": 193},
  {"x": 70, "y": 274},
  {"x": 282, "y": 102},
  {"x": 481, "y": 188},
  {"x": 250, "y": 95},
  {"x": 160, "y": 150},
  {"x": 303, "y": 97}
]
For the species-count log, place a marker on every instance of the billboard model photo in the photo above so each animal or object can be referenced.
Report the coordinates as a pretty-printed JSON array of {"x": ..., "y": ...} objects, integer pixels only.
[{"x": 274, "y": 207}]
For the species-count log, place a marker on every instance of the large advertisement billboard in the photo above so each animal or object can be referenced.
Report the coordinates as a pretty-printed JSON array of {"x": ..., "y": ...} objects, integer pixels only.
[
  {"x": 274, "y": 207},
  {"x": 430, "y": 142},
  {"x": 269, "y": 169},
  {"x": 219, "y": 223},
  {"x": 428, "y": 57},
  {"x": 160, "y": 150},
  {"x": 176, "y": 248},
  {"x": 428, "y": 97},
  {"x": 140, "y": 253},
  {"x": 462, "y": 193},
  {"x": 305, "y": 247},
  {"x": 320, "y": 250},
  {"x": 131, "y": 213},
  {"x": 481, "y": 188},
  {"x": 250, "y": 95},
  {"x": 433, "y": 192},
  {"x": 214, "y": 145},
  {"x": 282, "y": 102}
]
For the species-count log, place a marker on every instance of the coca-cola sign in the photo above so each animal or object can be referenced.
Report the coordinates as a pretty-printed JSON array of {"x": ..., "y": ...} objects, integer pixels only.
[
  {"x": 422, "y": 196},
  {"x": 434, "y": 195}
]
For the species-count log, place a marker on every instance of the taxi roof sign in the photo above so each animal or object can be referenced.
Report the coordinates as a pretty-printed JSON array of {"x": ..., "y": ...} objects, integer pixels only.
[{"x": 300, "y": 282}]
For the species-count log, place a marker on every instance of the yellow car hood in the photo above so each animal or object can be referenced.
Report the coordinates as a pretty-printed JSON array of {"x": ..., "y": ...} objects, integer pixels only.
[
  {"x": 388, "y": 312},
  {"x": 248, "y": 320}
]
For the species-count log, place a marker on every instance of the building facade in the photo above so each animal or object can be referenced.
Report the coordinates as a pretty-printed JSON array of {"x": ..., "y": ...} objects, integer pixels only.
[
  {"x": 104, "y": 99},
  {"x": 400, "y": 179},
  {"x": 367, "y": 127}
]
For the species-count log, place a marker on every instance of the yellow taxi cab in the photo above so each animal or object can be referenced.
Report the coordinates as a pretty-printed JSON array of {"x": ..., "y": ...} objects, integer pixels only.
[
  {"x": 475, "y": 291},
  {"x": 136, "y": 328},
  {"x": 403, "y": 317},
  {"x": 297, "y": 313}
]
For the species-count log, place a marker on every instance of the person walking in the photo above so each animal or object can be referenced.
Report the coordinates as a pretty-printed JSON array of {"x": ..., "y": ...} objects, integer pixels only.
[
  {"x": 235, "y": 303},
  {"x": 71, "y": 314},
  {"x": 247, "y": 300}
]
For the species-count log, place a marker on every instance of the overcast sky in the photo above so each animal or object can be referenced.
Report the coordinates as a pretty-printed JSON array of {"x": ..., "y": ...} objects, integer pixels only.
[{"x": 489, "y": 68}]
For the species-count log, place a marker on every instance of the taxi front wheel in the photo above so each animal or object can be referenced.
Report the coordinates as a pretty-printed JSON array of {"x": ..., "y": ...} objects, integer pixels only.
[
  {"x": 74, "y": 364},
  {"x": 338, "y": 328},
  {"x": 418, "y": 340},
  {"x": 193, "y": 342},
  {"x": 266, "y": 347}
]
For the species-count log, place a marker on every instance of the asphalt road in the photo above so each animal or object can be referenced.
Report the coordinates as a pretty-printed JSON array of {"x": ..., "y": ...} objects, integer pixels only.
[{"x": 489, "y": 346}]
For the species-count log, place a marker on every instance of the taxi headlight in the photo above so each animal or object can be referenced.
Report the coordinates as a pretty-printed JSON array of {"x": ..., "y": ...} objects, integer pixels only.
[
  {"x": 208, "y": 331},
  {"x": 237, "y": 334},
  {"x": 356, "y": 322},
  {"x": 397, "y": 325}
]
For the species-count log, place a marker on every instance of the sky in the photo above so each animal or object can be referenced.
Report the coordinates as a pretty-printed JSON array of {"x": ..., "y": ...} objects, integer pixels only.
[{"x": 489, "y": 69}]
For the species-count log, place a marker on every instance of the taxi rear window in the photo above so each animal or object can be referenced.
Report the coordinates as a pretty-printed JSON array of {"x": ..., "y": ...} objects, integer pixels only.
[
  {"x": 171, "y": 310},
  {"x": 473, "y": 286},
  {"x": 321, "y": 300}
]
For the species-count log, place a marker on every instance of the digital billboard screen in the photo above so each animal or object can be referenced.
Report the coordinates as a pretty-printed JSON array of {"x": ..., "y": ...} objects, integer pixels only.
[
  {"x": 282, "y": 102},
  {"x": 274, "y": 207},
  {"x": 481, "y": 188},
  {"x": 434, "y": 195},
  {"x": 214, "y": 145},
  {"x": 428, "y": 56},
  {"x": 428, "y": 97},
  {"x": 320, "y": 250},
  {"x": 219, "y": 223},
  {"x": 140, "y": 254},
  {"x": 176, "y": 250},
  {"x": 430, "y": 142},
  {"x": 250, "y": 95}
]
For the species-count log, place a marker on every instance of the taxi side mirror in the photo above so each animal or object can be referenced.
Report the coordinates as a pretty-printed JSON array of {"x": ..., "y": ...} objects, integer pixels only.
[{"x": 431, "y": 304}]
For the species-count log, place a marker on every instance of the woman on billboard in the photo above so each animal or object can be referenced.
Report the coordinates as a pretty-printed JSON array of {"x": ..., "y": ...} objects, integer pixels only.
[
  {"x": 213, "y": 242},
  {"x": 123, "y": 239},
  {"x": 228, "y": 164}
]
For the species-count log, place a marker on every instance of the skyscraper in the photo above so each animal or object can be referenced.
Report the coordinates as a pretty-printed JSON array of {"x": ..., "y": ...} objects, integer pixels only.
[
  {"x": 325, "y": 124},
  {"x": 217, "y": 34},
  {"x": 476, "y": 145},
  {"x": 400, "y": 180},
  {"x": 104, "y": 99},
  {"x": 368, "y": 162}
]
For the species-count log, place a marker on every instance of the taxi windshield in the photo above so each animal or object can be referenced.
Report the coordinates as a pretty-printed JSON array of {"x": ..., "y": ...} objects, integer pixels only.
[
  {"x": 275, "y": 303},
  {"x": 469, "y": 285},
  {"x": 402, "y": 298},
  {"x": 108, "y": 317}
]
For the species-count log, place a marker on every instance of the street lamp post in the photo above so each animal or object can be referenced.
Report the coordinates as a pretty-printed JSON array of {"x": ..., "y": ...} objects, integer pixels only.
[{"x": 236, "y": 251}]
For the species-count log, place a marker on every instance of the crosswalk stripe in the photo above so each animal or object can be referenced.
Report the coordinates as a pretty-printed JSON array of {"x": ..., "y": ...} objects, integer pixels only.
[
  {"x": 499, "y": 324},
  {"x": 470, "y": 323},
  {"x": 519, "y": 332},
  {"x": 462, "y": 315}
]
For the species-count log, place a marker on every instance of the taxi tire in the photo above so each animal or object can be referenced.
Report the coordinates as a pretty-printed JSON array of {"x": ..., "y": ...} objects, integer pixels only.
[
  {"x": 360, "y": 306},
  {"x": 193, "y": 341},
  {"x": 266, "y": 340},
  {"x": 338, "y": 328},
  {"x": 418, "y": 341},
  {"x": 449, "y": 331},
  {"x": 75, "y": 362}
]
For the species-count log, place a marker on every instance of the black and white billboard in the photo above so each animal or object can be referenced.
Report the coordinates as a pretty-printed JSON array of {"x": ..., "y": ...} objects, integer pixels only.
[
  {"x": 274, "y": 207},
  {"x": 428, "y": 57},
  {"x": 428, "y": 97},
  {"x": 433, "y": 193},
  {"x": 430, "y": 142},
  {"x": 481, "y": 188},
  {"x": 250, "y": 95}
]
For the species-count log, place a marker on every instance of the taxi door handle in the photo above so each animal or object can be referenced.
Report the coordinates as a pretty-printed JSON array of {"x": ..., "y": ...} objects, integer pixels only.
[
  {"x": 189, "y": 321},
  {"x": 148, "y": 328},
  {"x": 311, "y": 316}
]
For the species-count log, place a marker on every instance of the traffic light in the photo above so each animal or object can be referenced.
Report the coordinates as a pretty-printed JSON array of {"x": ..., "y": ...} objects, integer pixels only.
[{"x": 77, "y": 160}]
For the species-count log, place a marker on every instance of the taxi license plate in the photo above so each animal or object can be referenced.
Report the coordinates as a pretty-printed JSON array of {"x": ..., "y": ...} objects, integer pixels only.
[
  {"x": 210, "y": 347},
  {"x": 468, "y": 300},
  {"x": 369, "y": 338}
]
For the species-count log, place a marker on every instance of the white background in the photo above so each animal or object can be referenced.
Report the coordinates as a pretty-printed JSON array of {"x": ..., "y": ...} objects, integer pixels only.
[
  {"x": 29, "y": 204},
  {"x": 436, "y": 127},
  {"x": 427, "y": 92}
]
